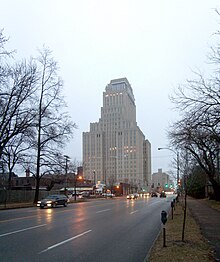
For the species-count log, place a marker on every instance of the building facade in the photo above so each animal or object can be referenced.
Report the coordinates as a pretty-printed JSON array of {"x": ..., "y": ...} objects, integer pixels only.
[
  {"x": 162, "y": 181},
  {"x": 115, "y": 149}
]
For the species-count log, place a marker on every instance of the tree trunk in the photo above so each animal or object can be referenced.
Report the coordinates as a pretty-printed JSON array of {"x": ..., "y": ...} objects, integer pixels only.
[
  {"x": 216, "y": 189},
  {"x": 36, "y": 196}
]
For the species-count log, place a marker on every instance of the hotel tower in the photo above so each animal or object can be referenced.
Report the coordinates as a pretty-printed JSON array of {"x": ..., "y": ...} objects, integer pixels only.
[{"x": 115, "y": 149}]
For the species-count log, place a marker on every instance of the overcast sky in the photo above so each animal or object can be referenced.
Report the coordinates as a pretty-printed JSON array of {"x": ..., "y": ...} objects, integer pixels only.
[{"x": 155, "y": 44}]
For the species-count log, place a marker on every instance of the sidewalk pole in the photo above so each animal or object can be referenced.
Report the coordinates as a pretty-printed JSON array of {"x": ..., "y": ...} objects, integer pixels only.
[{"x": 164, "y": 236}]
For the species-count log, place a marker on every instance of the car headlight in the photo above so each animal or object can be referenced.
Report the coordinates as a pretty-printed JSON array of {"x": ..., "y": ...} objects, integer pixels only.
[{"x": 49, "y": 202}]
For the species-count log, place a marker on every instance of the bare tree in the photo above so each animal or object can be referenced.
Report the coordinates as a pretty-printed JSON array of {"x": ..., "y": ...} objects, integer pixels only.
[
  {"x": 53, "y": 125},
  {"x": 16, "y": 96},
  {"x": 33, "y": 124},
  {"x": 198, "y": 131},
  {"x": 15, "y": 153},
  {"x": 3, "y": 41}
]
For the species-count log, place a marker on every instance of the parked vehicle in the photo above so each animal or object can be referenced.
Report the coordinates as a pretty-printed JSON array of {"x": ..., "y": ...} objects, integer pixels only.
[{"x": 53, "y": 201}]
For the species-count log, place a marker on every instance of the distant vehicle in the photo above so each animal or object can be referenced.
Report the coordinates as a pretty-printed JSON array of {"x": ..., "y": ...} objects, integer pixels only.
[
  {"x": 136, "y": 195},
  {"x": 80, "y": 196},
  {"x": 108, "y": 195},
  {"x": 153, "y": 194},
  {"x": 86, "y": 194},
  {"x": 53, "y": 201},
  {"x": 132, "y": 196},
  {"x": 163, "y": 194}
]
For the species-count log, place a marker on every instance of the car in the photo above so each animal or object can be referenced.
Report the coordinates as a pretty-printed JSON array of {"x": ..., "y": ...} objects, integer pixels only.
[
  {"x": 86, "y": 194},
  {"x": 73, "y": 197},
  {"x": 136, "y": 195},
  {"x": 80, "y": 196},
  {"x": 53, "y": 201},
  {"x": 132, "y": 196},
  {"x": 153, "y": 194},
  {"x": 163, "y": 194},
  {"x": 108, "y": 195}
]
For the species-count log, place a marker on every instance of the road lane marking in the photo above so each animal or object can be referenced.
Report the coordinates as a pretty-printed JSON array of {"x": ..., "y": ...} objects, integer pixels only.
[
  {"x": 65, "y": 241},
  {"x": 17, "y": 218},
  {"x": 21, "y": 230},
  {"x": 104, "y": 210},
  {"x": 133, "y": 212}
]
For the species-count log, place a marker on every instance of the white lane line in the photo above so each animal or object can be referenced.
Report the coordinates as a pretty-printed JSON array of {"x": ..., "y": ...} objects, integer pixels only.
[
  {"x": 21, "y": 230},
  {"x": 102, "y": 211},
  {"x": 65, "y": 241},
  {"x": 134, "y": 212}
]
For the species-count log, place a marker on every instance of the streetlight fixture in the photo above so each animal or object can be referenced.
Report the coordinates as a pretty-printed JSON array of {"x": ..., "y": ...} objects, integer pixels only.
[{"x": 177, "y": 162}]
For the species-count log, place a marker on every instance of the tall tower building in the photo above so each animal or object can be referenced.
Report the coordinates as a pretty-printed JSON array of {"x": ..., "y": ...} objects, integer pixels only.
[{"x": 115, "y": 149}]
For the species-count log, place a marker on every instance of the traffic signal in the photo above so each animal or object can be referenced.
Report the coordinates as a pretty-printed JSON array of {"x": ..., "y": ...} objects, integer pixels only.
[{"x": 166, "y": 185}]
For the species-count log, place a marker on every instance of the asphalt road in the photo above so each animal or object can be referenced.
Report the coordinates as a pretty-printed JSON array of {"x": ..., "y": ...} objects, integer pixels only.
[{"x": 98, "y": 230}]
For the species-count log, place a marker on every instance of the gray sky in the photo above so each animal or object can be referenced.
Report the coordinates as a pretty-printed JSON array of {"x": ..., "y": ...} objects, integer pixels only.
[{"x": 155, "y": 44}]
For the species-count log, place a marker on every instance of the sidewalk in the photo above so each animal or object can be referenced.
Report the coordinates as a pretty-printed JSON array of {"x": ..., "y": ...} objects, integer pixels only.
[{"x": 208, "y": 220}]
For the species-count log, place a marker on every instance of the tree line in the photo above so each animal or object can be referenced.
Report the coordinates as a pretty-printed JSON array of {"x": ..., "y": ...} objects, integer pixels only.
[
  {"x": 197, "y": 133},
  {"x": 34, "y": 123}
]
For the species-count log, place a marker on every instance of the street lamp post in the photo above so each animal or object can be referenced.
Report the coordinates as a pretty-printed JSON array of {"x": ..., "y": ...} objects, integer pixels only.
[
  {"x": 66, "y": 169},
  {"x": 94, "y": 186},
  {"x": 177, "y": 163},
  {"x": 75, "y": 180},
  {"x": 94, "y": 177}
]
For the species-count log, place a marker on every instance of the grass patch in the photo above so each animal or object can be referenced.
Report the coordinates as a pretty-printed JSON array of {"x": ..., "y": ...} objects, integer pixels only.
[{"x": 194, "y": 248}]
